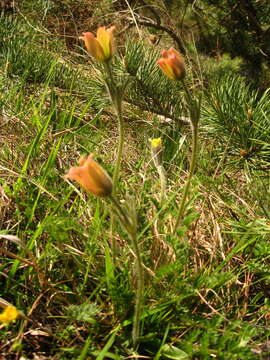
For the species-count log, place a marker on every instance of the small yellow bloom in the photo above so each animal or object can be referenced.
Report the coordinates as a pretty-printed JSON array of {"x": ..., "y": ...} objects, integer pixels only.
[
  {"x": 172, "y": 64},
  {"x": 9, "y": 314},
  {"x": 91, "y": 177},
  {"x": 102, "y": 46},
  {"x": 156, "y": 142}
]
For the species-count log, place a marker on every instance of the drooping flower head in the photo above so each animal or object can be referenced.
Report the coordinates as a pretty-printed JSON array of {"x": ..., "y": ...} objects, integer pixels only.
[
  {"x": 9, "y": 314},
  {"x": 172, "y": 64},
  {"x": 91, "y": 177},
  {"x": 102, "y": 46}
]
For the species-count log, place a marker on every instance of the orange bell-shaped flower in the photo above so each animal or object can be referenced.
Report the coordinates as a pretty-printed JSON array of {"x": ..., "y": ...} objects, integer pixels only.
[
  {"x": 91, "y": 177},
  {"x": 172, "y": 64},
  {"x": 102, "y": 46}
]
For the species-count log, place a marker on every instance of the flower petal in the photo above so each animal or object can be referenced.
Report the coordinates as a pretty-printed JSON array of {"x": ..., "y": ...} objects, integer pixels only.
[
  {"x": 93, "y": 46},
  {"x": 91, "y": 177},
  {"x": 172, "y": 64},
  {"x": 106, "y": 41}
]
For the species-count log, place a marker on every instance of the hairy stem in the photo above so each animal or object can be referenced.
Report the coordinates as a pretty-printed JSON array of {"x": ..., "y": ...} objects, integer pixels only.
[
  {"x": 116, "y": 174},
  {"x": 121, "y": 213},
  {"x": 139, "y": 291},
  {"x": 180, "y": 214},
  {"x": 163, "y": 182},
  {"x": 116, "y": 100},
  {"x": 130, "y": 227}
]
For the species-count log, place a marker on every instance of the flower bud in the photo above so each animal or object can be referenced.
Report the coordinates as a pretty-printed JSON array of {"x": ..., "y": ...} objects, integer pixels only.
[
  {"x": 91, "y": 177},
  {"x": 243, "y": 153},
  {"x": 102, "y": 46},
  {"x": 249, "y": 113},
  {"x": 172, "y": 64}
]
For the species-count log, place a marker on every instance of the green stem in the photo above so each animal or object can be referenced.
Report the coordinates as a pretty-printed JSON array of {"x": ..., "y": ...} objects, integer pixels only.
[
  {"x": 163, "y": 181},
  {"x": 116, "y": 100},
  {"x": 122, "y": 215},
  {"x": 188, "y": 95},
  {"x": 139, "y": 291},
  {"x": 132, "y": 232},
  {"x": 116, "y": 173},
  {"x": 180, "y": 214}
]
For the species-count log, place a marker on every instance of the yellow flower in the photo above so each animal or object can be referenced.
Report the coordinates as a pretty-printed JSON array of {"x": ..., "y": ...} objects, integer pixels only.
[
  {"x": 172, "y": 64},
  {"x": 102, "y": 46},
  {"x": 156, "y": 142},
  {"x": 9, "y": 314},
  {"x": 91, "y": 177}
]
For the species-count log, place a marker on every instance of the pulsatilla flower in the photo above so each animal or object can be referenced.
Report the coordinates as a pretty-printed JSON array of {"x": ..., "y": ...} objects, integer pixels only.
[
  {"x": 172, "y": 64},
  {"x": 102, "y": 46},
  {"x": 91, "y": 177},
  {"x": 10, "y": 313}
]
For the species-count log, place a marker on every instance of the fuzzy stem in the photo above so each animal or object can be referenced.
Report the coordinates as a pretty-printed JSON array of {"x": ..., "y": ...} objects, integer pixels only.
[
  {"x": 116, "y": 174},
  {"x": 194, "y": 111},
  {"x": 139, "y": 290},
  {"x": 122, "y": 215},
  {"x": 180, "y": 214},
  {"x": 163, "y": 181},
  {"x": 116, "y": 100},
  {"x": 132, "y": 232}
]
